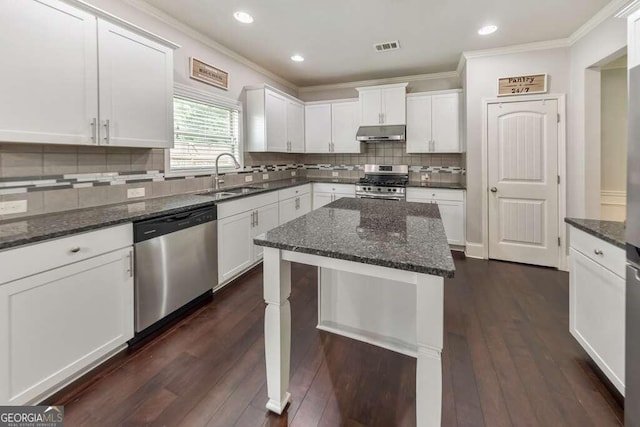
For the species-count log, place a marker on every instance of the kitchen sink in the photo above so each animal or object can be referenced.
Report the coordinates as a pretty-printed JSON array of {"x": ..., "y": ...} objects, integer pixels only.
[{"x": 225, "y": 194}]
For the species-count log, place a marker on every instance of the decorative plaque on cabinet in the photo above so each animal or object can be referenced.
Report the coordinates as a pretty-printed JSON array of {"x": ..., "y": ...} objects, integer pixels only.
[
  {"x": 208, "y": 74},
  {"x": 522, "y": 85}
]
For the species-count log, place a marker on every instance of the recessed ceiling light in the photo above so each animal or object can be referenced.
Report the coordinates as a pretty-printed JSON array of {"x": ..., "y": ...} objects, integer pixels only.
[
  {"x": 297, "y": 58},
  {"x": 489, "y": 29},
  {"x": 243, "y": 17}
]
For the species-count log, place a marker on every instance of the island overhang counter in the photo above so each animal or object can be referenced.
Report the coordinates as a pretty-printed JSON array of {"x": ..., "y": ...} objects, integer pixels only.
[{"x": 397, "y": 242}]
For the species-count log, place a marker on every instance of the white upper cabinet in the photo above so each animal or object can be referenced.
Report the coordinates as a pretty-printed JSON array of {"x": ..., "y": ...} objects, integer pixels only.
[
  {"x": 317, "y": 129},
  {"x": 433, "y": 123},
  {"x": 383, "y": 105},
  {"x": 344, "y": 126},
  {"x": 275, "y": 121},
  {"x": 49, "y": 77},
  {"x": 136, "y": 89},
  {"x": 78, "y": 64}
]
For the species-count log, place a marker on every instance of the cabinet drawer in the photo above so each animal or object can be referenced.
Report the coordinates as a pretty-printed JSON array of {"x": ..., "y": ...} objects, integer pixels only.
[
  {"x": 348, "y": 189},
  {"x": 288, "y": 193},
  {"x": 28, "y": 260},
  {"x": 435, "y": 194},
  {"x": 603, "y": 253},
  {"x": 245, "y": 204}
]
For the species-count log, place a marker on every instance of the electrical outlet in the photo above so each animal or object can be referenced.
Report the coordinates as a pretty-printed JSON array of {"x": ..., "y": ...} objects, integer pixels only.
[
  {"x": 135, "y": 192},
  {"x": 293, "y": 173},
  {"x": 265, "y": 176},
  {"x": 13, "y": 207},
  {"x": 248, "y": 178},
  {"x": 335, "y": 173},
  {"x": 424, "y": 177}
]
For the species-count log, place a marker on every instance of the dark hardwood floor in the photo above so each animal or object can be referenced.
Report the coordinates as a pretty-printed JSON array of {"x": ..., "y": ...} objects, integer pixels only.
[{"x": 508, "y": 360}]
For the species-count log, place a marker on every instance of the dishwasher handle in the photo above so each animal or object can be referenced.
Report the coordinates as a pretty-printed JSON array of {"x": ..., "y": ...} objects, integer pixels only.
[{"x": 156, "y": 227}]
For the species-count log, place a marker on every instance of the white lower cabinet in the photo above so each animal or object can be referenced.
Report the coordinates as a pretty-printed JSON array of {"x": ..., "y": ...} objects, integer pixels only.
[
  {"x": 294, "y": 202},
  {"x": 452, "y": 210},
  {"x": 597, "y": 303},
  {"x": 60, "y": 321},
  {"x": 324, "y": 194},
  {"x": 266, "y": 218}
]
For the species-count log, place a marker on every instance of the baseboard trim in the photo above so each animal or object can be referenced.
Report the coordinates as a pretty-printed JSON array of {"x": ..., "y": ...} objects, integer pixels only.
[
  {"x": 616, "y": 198},
  {"x": 474, "y": 250}
]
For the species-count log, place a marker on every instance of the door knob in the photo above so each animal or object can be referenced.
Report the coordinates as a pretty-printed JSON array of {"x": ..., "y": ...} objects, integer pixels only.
[{"x": 494, "y": 190}]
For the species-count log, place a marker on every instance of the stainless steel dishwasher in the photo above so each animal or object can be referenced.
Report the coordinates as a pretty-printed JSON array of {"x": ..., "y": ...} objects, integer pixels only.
[{"x": 176, "y": 260}]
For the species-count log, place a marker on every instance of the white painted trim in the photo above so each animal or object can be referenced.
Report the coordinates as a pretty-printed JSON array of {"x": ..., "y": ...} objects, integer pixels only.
[
  {"x": 205, "y": 96},
  {"x": 171, "y": 21},
  {"x": 474, "y": 250},
  {"x": 434, "y": 92},
  {"x": 274, "y": 89},
  {"x": 332, "y": 101},
  {"x": 613, "y": 198},
  {"x": 518, "y": 48},
  {"x": 385, "y": 86},
  {"x": 562, "y": 169},
  {"x": 365, "y": 337},
  {"x": 611, "y": 9},
  {"x": 461, "y": 63},
  {"x": 377, "y": 82},
  {"x": 626, "y": 11}
]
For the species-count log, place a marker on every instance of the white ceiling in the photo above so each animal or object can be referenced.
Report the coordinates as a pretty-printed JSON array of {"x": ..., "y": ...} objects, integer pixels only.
[{"x": 336, "y": 36}]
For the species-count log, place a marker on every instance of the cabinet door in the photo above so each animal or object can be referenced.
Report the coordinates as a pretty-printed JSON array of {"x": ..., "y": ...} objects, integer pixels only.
[
  {"x": 394, "y": 106},
  {"x": 317, "y": 128},
  {"x": 321, "y": 199},
  {"x": 344, "y": 126},
  {"x": 370, "y": 107},
  {"x": 49, "y": 77},
  {"x": 136, "y": 89},
  {"x": 452, "y": 214},
  {"x": 295, "y": 126},
  {"x": 235, "y": 245},
  {"x": 446, "y": 123},
  {"x": 288, "y": 210},
  {"x": 597, "y": 314},
  {"x": 75, "y": 314},
  {"x": 304, "y": 204},
  {"x": 267, "y": 217},
  {"x": 419, "y": 124},
  {"x": 276, "y": 121}
]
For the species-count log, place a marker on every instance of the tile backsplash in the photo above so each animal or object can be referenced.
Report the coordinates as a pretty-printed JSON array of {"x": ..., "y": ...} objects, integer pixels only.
[{"x": 56, "y": 178}]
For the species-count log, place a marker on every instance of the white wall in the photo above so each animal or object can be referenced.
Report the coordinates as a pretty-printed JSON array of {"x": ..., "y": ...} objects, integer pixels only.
[
  {"x": 614, "y": 130},
  {"x": 481, "y": 82}
]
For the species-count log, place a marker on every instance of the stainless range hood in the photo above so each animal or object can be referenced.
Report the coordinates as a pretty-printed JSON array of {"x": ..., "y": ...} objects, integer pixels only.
[{"x": 394, "y": 133}]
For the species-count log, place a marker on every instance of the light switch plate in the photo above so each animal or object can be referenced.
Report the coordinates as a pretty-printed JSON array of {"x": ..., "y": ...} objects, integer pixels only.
[
  {"x": 135, "y": 192},
  {"x": 13, "y": 207},
  {"x": 335, "y": 173},
  {"x": 248, "y": 178},
  {"x": 265, "y": 176}
]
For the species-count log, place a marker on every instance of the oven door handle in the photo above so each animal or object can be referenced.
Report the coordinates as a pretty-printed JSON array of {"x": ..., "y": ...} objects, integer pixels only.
[{"x": 397, "y": 199}]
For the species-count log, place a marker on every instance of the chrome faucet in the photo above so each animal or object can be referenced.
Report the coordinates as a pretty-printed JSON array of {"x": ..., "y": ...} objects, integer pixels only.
[{"x": 216, "y": 178}]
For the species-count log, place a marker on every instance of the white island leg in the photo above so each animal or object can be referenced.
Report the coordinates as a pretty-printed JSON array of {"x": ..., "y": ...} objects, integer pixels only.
[
  {"x": 429, "y": 329},
  {"x": 277, "y": 328}
]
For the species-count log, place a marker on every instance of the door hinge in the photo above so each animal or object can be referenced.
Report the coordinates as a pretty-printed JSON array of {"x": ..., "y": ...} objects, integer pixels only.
[
  {"x": 558, "y": 179},
  {"x": 558, "y": 117},
  {"x": 559, "y": 242}
]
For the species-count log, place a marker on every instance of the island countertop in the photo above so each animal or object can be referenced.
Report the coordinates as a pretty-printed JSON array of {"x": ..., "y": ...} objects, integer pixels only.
[{"x": 400, "y": 235}]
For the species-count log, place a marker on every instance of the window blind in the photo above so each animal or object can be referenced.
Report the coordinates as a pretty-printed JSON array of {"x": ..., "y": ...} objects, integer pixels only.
[{"x": 202, "y": 131}]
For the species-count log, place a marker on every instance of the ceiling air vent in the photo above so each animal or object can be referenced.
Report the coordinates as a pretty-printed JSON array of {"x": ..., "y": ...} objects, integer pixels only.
[{"x": 385, "y": 46}]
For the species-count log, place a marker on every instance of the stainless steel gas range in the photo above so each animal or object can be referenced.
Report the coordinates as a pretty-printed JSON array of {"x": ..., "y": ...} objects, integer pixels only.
[{"x": 387, "y": 182}]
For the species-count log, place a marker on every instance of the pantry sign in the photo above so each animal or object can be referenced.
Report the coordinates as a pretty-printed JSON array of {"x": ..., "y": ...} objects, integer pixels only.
[{"x": 522, "y": 85}]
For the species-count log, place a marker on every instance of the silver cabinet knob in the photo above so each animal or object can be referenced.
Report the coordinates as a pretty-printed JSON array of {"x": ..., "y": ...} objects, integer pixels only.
[
  {"x": 598, "y": 252},
  {"x": 75, "y": 250},
  {"x": 494, "y": 190}
]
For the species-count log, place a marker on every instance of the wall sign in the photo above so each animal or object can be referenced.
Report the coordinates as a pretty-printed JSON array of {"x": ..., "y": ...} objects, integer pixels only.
[
  {"x": 522, "y": 85},
  {"x": 208, "y": 74}
]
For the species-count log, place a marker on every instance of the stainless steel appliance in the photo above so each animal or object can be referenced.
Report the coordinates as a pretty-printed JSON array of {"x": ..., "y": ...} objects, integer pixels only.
[
  {"x": 387, "y": 133},
  {"x": 176, "y": 260},
  {"x": 632, "y": 327},
  {"x": 383, "y": 182}
]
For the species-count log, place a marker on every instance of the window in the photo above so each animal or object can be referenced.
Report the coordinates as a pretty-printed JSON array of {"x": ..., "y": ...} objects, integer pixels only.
[{"x": 202, "y": 131}]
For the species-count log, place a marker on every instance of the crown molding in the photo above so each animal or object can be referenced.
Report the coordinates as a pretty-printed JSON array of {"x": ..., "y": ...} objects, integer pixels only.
[
  {"x": 376, "y": 82},
  {"x": 153, "y": 11},
  {"x": 461, "y": 63},
  {"x": 628, "y": 9},
  {"x": 603, "y": 14},
  {"x": 518, "y": 48}
]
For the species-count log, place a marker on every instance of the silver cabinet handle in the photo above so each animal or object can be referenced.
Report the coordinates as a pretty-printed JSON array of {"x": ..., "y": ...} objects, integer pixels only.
[
  {"x": 94, "y": 130},
  {"x": 253, "y": 219},
  {"x": 494, "y": 190},
  {"x": 257, "y": 218},
  {"x": 598, "y": 252},
  {"x": 75, "y": 250},
  {"x": 107, "y": 131}
]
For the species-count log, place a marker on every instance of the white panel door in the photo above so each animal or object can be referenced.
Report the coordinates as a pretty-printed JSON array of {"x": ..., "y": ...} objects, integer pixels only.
[
  {"x": 235, "y": 245},
  {"x": 136, "y": 89},
  {"x": 523, "y": 187},
  {"x": 58, "y": 322},
  {"x": 344, "y": 126},
  {"x": 394, "y": 106},
  {"x": 370, "y": 107},
  {"x": 445, "y": 119},
  {"x": 295, "y": 126},
  {"x": 317, "y": 128},
  {"x": 276, "y": 121},
  {"x": 419, "y": 124},
  {"x": 267, "y": 217},
  {"x": 49, "y": 76}
]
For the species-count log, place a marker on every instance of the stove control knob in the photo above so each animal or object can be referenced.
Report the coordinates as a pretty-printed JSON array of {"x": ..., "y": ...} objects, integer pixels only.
[
  {"x": 379, "y": 189},
  {"x": 388, "y": 189}
]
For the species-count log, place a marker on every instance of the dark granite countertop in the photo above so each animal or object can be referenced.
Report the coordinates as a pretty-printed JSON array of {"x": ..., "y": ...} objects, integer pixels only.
[
  {"x": 610, "y": 231},
  {"x": 400, "y": 235}
]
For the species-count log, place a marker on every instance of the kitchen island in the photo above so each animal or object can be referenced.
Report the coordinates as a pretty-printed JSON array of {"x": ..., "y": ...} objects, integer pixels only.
[{"x": 398, "y": 242}]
